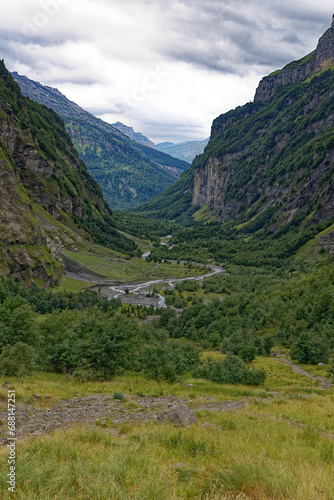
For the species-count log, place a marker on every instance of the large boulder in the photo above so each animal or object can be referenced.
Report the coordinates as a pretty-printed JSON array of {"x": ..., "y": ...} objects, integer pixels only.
[{"x": 177, "y": 415}]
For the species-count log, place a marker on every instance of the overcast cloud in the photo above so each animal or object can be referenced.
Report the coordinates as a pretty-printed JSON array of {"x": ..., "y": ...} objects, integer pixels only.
[{"x": 167, "y": 68}]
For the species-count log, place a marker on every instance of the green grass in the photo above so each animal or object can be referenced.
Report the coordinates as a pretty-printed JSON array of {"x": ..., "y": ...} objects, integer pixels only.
[
  {"x": 143, "y": 244},
  {"x": 308, "y": 251},
  {"x": 279, "y": 446},
  {"x": 204, "y": 214},
  {"x": 280, "y": 379},
  {"x": 67, "y": 284},
  {"x": 130, "y": 270},
  {"x": 253, "y": 457}
]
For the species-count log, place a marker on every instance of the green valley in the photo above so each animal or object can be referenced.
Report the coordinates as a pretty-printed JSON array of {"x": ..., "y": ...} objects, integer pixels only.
[
  {"x": 183, "y": 349},
  {"x": 128, "y": 172}
]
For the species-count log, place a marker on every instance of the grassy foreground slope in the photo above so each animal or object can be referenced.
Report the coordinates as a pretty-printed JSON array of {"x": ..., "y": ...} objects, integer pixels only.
[{"x": 278, "y": 445}]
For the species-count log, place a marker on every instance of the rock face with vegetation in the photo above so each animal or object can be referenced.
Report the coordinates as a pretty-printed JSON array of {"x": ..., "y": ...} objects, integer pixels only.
[
  {"x": 272, "y": 160},
  {"x": 128, "y": 172},
  {"x": 48, "y": 199},
  {"x": 269, "y": 162},
  {"x": 317, "y": 61}
]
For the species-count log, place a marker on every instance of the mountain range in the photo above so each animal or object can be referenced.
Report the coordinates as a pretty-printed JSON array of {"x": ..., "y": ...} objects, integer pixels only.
[
  {"x": 268, "y": 166},
  {"x": 135, "y": 136},
  {"x": 128, "y": 172},
  {"x": 185, "y": 151},
  {"x": 269, "y": 163}
]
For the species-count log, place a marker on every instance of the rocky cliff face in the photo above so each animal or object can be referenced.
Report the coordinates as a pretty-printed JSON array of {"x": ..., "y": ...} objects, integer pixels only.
[
  {"x": 272, "y": 160},
  {"x": 135, "y": 136},
  {"x": 320, "y": 59},
  {"x": 34, "y": 169},
  {"x": 46, "y": 193},
  {"x": 23, "y": 244}
]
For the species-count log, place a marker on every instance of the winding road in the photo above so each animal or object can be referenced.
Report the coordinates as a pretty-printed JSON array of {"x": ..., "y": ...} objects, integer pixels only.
[{"x": 141, "y": 290}]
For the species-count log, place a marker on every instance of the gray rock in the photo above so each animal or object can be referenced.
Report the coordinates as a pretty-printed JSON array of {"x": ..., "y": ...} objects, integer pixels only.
[
  {"x": 190, "y": 385},
  {"x": 208, "y": 424},
  {"x": 178, "y": 415},
  {"x": 321, "y": 364},
  {"x": 37, "y": 396}
]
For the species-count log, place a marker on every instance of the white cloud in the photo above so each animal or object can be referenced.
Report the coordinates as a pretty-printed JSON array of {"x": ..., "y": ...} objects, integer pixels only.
[{"x": 168, "y": 68}]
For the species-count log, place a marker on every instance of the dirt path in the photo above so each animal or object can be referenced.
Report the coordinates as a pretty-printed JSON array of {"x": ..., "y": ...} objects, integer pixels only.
[
  {"x": 33, "y": 421},
  {"x": 324, "y": 383}
]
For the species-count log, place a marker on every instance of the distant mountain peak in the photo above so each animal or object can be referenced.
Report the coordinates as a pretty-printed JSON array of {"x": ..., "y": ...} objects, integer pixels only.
[
  {"x": 135, "y": 136},
  {"x": 185, "y": 151}
]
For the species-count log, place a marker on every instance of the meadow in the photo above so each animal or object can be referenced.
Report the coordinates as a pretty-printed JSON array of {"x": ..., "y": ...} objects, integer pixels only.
[
  {"x": 122, "y": 270},
  {"x": 279, "y": 446}
]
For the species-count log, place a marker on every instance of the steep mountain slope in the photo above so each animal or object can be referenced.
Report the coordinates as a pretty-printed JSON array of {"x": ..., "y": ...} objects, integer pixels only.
[
  {"x": 271, "y": 162},
  {"x": 135, "y": 136},
  {"x": 48, "y": 199},
  {"x": 186, "y": 151},
  {"x": 129, "y": 173}
]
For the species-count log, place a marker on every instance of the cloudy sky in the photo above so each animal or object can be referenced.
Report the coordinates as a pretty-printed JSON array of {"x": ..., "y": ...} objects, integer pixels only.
[{"x": 165, "y": 67}]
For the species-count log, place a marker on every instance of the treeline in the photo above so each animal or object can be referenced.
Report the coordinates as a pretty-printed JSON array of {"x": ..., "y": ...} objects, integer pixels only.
[
  {"x": 239, "y": 245},
  {"x": 252, "y": 309},
  {"x": 257, "y": 308},
  {"x": 89, "y": 337}
]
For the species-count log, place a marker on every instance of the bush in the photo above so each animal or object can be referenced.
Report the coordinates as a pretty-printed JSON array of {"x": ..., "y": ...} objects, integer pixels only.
[
  {"x": 188, "y": 286},
  {"x": 310, "y": 349},
  {"x": 232, "y": 370},
  {"x": 103, "y": 343},
  {"x": 17, "y": 359},
  {"x": 168, "y": 360}
]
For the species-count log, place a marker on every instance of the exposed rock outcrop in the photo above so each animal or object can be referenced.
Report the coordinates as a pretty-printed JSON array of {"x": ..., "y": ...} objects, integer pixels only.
[
  {"x": 318, "y": 60},
  {"x": 178, "y": 415},
  {"x": 272, "y": 160},
  {"x": 327, "y": 242},
  {"x": 45, "y": 189},
  {"x": 135, "y": 136}
]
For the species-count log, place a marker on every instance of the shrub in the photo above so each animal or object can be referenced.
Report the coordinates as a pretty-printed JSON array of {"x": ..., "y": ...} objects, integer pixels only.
[
  {"x": 232, "y": 370},
  {"x": 167, "y": 360},
  {"x": 310, "y": 349},
  {"x": 17, "y": 359}
]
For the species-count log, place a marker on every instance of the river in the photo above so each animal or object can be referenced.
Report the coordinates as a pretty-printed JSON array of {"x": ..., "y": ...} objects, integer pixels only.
[{"x": 137, "y": 293}]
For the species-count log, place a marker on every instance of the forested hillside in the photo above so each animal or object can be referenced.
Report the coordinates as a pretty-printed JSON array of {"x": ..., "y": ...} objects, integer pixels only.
[
  {"x": 269, "y": 162},
  {"x": 129, "y": 173},
  {"x": 48, "y": 200}
]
